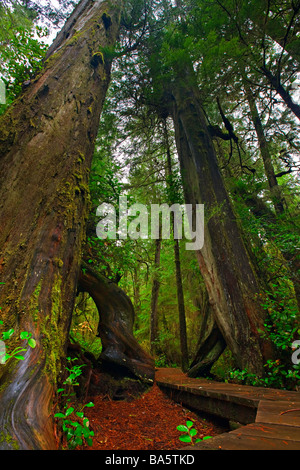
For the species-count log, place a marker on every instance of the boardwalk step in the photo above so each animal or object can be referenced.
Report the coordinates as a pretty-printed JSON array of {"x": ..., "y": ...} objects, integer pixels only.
[{"x": 271, "y": 417}]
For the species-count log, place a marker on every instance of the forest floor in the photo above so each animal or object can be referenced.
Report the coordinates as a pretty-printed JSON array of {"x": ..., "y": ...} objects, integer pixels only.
[{"x": 148, "y": 422}]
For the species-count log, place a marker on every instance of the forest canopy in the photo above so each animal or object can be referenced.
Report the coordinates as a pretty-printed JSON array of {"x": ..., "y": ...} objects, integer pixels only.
[{"x": 159, "y": 103}]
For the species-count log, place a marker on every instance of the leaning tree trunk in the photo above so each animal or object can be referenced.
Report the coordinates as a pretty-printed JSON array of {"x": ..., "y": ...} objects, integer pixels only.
[
  {"x": 121, "y": 354},
  {"x": 46, "y": 145},
  {"x": 224, "y": 261},
  {"x": 282, "y": 91}
]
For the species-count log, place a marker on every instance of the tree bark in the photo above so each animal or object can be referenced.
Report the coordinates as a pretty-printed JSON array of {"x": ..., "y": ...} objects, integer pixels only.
[
  {"x": 46, "y": 146},
  {"x": 154, "y": 298},
  {"x": 181, "y": 310},
  {"x": 121, "y": 354},
  {"x": 264, "y": 150},
  {"x": 210, "y": 348},
  {"x": 211, "y": 343},
  {"x": 179, "y": 286},
  {"x": 224, "y": 262}
]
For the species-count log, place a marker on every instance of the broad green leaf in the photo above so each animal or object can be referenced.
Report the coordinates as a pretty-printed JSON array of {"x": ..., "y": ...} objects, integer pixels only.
[
  {"x": 59, "y": 415},
  {"x": 193, "y": 432},
  {"x": 18, "y": 356},
  {"x": 80, "y": 414},
  {"x": 89, "y": 405},
  {"x": 185, "y": 438},
  {"x": 69, "y": 411},
  {"x": 207, "y": 437},
  {"x": 75, "y": 424},
  {"x": 32, "y": 343},
  {"x": 189, "y": 424},
  {"x": 65, "y": 425},
  {"x": 182, "y": 428},
  {"x": 78, "y": 431},
  {"x": 25, "y": 335},
  {"x": 85, "y": 432}
]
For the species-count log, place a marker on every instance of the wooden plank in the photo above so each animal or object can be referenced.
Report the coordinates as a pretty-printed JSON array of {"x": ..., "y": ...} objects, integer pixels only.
[
  {"x": 272, "y": 431},
  {"x": 214, "y": 404},
  {"x": 219, "y": 394},
  {"x": 230, "y": 441},
  {"x": 175, "y": 376},
  {"x": 274, "y": 412},
  {"x": 276, "y": 426}
]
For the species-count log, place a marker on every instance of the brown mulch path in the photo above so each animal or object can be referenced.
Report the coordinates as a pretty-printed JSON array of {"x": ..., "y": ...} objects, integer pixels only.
[{"x": 146, "y": 423}]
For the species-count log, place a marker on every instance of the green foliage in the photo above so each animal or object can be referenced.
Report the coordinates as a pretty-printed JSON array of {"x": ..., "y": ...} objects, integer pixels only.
[
  {"x": 277, "y": 375},
  {"x": 21, "y": 50},
  {"x": 74, "y": 424},
  {"x": 16, "y": 352},
  {"x": 76, "y": 427},
  {"x": 190, "y": 433},
  {"x": 281, "y": 326}
]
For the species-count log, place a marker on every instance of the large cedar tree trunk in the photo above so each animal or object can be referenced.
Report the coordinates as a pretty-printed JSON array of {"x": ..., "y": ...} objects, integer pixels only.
[
  {"x": 224, "y": 261},
  {"x": 46, "y": 145}
]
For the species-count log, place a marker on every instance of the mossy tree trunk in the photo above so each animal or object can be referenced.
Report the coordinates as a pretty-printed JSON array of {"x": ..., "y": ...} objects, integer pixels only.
[
  {"x": 224, "y": 261},
  {"x": 121, "y": 354},
  {"x": 46, "y": 146}
]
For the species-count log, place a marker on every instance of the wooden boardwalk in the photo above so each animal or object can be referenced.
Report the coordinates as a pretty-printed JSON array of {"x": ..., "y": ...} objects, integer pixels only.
[{"x": 270, "y": 418}]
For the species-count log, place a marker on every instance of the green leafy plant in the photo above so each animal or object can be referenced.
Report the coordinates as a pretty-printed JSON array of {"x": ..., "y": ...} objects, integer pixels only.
[
  {"x": 77, "y": 431},
  {"x": 190, "y": 433},
  {"x": 72, "y": 379},
  {"x": 16, "y": 353},
  {"x": 74, "y": 424}
]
